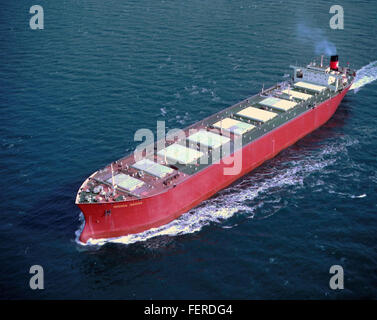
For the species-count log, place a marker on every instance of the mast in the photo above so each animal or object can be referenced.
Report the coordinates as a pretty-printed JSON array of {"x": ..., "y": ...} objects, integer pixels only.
[{"x": 112, "y": 177}]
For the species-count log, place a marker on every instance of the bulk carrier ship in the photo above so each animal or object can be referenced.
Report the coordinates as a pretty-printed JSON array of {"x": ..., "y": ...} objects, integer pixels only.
[{"x": 132, "y": 195}]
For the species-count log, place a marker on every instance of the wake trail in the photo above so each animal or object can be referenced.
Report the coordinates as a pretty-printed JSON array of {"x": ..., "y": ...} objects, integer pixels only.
[{"x": 364, "y": 76}]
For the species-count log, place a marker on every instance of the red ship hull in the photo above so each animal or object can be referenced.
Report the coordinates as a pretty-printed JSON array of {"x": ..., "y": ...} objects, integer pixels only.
[{"x": 131, "y": 217}]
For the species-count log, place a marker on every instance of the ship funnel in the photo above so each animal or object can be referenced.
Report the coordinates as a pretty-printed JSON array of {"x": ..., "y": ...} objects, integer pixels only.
[{"x": 334, "y": 63}]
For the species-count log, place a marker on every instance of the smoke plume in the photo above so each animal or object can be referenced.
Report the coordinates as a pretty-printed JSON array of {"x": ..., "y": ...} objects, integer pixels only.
[{"x": 316, "y": 38}]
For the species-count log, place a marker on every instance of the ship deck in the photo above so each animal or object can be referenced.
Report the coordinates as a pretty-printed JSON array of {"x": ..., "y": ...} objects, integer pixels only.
[{"x": 225, "y": 131}]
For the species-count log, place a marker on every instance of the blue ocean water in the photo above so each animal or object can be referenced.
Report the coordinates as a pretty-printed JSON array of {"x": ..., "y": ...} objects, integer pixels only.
[{"x": 73, "y": 95}]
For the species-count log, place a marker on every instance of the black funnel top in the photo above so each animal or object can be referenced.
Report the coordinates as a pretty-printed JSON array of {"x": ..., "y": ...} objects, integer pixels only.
[{"x": 334, "y": 58}]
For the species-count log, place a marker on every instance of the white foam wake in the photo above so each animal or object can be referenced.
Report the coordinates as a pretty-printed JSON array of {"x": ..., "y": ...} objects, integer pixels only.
[
  {"x": 255, "y": 192},
  {"x": 365, "y": 75}
]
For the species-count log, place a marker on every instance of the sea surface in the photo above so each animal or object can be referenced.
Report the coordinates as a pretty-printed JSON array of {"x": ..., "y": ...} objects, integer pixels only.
[{"x": 73, "y": 94}]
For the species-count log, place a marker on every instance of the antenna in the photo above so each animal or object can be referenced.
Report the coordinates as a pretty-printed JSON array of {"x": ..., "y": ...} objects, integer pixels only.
[
  {"x": 112, "y": 175},
  {"x": 112, "y": 179}
]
